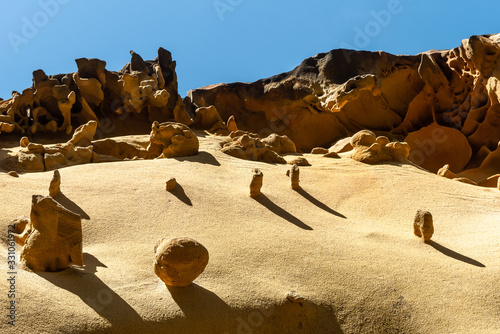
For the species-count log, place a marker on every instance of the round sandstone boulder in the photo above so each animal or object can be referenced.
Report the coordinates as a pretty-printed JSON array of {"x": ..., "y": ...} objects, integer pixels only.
[{"x": 179, "y": 261}]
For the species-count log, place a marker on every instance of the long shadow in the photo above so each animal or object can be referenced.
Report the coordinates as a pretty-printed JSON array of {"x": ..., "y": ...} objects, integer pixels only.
[
  {"x": 318, "y": 203},
  {"x": 457, "y": 256},
  {"x": 70, "y": 205},
  {"x": 181, "y": 194},
  {"x": 95, "y": 293},
  {"x": 279, "y": 211},
  {"x": 193, "y": 298},
  {"x": 202, "y": 157}
]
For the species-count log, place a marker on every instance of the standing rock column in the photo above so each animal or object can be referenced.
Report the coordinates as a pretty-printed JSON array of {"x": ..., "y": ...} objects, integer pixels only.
[
  {"x": 256, "y": 183},
  {"x": 294, "y": 173},
  {"x": 423, "y": 226}
]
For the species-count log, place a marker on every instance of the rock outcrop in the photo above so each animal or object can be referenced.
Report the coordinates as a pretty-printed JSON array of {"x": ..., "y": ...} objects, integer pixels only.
[
  {"x": 179, "y": 261},
  {"x": 249, "y": 146},
  {"x": 52, "y": 238},
  {"x": 444, "y": 104},
  {"x": 371, "y": 149},
  {"x": 167, "y": 140},
  {"x": 143, "y": 91}
]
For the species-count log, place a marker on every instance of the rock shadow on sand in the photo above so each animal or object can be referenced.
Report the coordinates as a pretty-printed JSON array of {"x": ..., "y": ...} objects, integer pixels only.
[
  {"x": 318, "y": 203},
  {"x": 202, "y": 157},
  {"x": 94, "y": 292},
  {"x": 279, "y": 211},
  {"x": 181, "y": 195},
  {"x": 457, "y": 256}
]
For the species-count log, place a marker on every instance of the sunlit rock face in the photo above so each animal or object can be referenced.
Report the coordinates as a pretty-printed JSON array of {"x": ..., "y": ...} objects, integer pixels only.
[
  {"x": 144, "y": 91},
  {"x": 445, "y": 104}
]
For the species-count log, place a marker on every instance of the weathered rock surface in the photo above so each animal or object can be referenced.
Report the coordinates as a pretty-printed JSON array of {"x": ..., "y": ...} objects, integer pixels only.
[
  {"x": 52, "y": 239},
  {"x": 256, "y": 183},
  {"x": 168, "y": 140},
  {"x": 250, "y": 147},
  {"x": 445, "y": 103},
  {"x": 179, "y": 261},
  {"x": 423, "y": 225},
  {"x": 371, "y": 149},
  {"x": 143, "y": 91}
]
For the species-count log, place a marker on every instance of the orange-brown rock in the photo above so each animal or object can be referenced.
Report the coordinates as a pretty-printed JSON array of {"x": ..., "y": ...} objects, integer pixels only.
[
  {"x": 251, "y": 148},
  {"x": 256, "y": 183},
  {"x": 371, "y": 149},
  {"x": 140, "y": 93},
  {"x": 423, "y": 225},
  {"x": 168, "y": 140},
  {"x": 445, "y": 103},
  {"x": 54, "y": 238},
  {"x": 280, "y": 144},
  {"x": 179, "y": 261}
]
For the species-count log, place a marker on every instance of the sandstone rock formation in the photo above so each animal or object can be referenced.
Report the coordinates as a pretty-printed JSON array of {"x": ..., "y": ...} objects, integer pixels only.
[
  {"x": 55, "y": 184},
  {"x": 294, "y": 174},
  {"x": 250, "y": 147},
  {"x": 444, "y": 104},
  {"x": 171, "y": 184},
  {"x": 371, "y": 149},
  {"x": 168, "y": 140},
  {"x": 300, "y": 161},
  {"x": 52, "y": 240},
  {"x": 280, "y": 144},
  {"x": 143, "y": 91},
  {"x": 179, "y": 261},
  {"x": 423, "y": 226},
  {"x": 256, "y": 183}
]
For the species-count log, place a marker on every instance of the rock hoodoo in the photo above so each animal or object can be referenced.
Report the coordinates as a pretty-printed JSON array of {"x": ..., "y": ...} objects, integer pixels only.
[{"x": 143, "y": 91}]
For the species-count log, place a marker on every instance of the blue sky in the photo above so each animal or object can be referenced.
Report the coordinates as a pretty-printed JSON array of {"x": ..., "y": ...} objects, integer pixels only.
[{"x": 217, "y": 41}]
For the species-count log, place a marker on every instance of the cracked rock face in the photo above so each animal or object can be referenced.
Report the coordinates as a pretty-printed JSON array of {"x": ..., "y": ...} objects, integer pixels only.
[{"x": 179, "y": 261}]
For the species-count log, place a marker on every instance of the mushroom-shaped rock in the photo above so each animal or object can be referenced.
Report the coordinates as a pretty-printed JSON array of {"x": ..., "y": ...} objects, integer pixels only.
[
  {"x": 55, "y": 184},
  {"x": 55, "y": 240},
  {"x": 169, "y": 140},
  {"x": 179, "y": 261},
  {"x": 423, "y": 226},
  {"x": 256, "y": 184}
]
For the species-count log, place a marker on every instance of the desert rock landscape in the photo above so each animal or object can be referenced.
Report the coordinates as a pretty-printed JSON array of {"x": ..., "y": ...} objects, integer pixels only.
[{"x": 357, "y": 193}]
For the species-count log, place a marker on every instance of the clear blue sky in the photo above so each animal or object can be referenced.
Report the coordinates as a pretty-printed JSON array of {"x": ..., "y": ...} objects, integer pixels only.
[{"x": 217, "y": 41}]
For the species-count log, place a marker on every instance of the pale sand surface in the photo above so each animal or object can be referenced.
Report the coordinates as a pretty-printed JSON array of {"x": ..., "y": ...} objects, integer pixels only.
[{"x": 345, "y": 243}]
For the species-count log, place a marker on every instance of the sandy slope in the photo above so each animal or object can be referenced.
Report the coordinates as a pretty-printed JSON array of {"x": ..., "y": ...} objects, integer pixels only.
[{"x": 345, "y": 243}]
